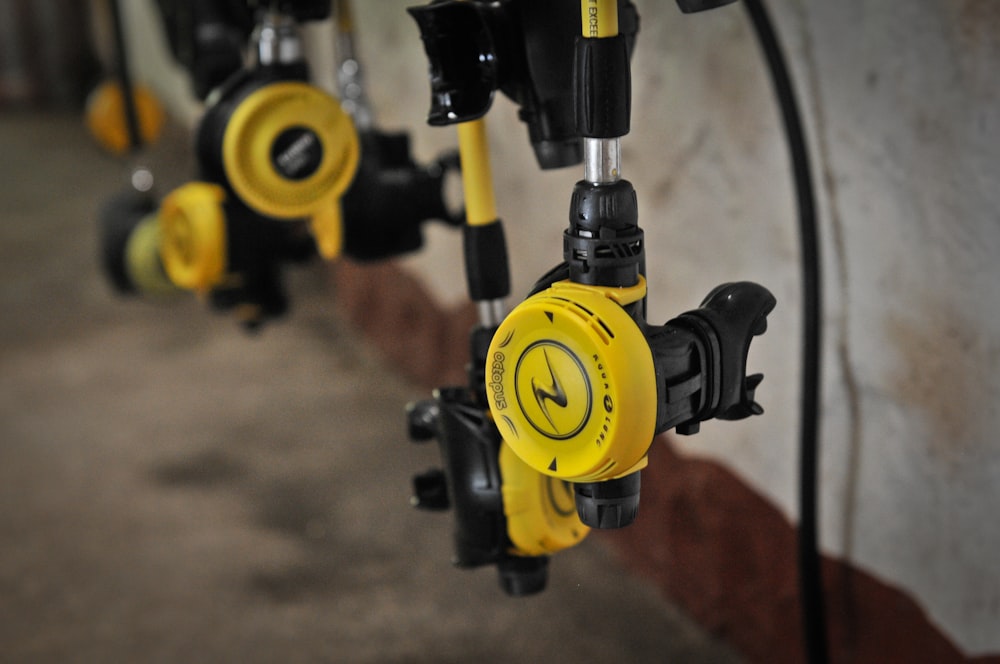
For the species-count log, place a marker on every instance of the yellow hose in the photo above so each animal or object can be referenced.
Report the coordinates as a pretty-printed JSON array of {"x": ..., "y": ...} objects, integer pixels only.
[
  {"x": 345, "y": 17},
  {"x": 477, "y": 177},
  {"x": 599, "y": 18}
]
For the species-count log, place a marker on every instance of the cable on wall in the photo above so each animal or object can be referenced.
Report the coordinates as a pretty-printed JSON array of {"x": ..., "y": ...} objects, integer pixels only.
[{"x": 809, "y": 560}]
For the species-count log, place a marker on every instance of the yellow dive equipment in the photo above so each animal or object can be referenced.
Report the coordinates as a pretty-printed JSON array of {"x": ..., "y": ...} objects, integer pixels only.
[
  {"x": 290, "y": 151},
  {"x": 193, "y": 235},
  {"x": 571, "y": 382},
  {"x": 540, "y": 509},
  {"x": 105, "y": 116}
]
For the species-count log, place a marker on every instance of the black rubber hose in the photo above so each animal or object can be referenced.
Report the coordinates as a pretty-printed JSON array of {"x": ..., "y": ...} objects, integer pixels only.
[
  {"x": 810, "y": 574},
  {"x": 125, "y": 78}
]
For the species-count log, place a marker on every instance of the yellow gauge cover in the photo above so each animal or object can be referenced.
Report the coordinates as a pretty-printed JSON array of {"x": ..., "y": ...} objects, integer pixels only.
[
  {"x": 571, "y": 382},
  {"x": 193, "y": 235},
  {"x": 290, "y": 150},
  {"x": 540, "y": 509}
]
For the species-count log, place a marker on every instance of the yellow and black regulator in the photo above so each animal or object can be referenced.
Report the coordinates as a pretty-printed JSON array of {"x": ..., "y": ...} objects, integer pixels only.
[
  {"x": 284, "y": 176},
  {"x": 579, "y": 384},
  {"x": 283, "y": 147},
  {"x": 275, "y": 155},
  {"x": 577, "y": 381}
]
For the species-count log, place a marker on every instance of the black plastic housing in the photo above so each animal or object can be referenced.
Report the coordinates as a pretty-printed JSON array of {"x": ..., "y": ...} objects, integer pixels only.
[
  {"x": 603, "y": 87},
  {"x": 609, "y": 504},
  {"x": 301, "y": 10},
  {"x": 466, "y": 45},
  {"x": 116, "y": 220},
  {"x": 700, "y": 358},
  {"x": 207, "y": 38},
  {"x": 471, "y": 483},
  {"x": 487, "y": 272},
  {"x": 603, "y": 245},
  {"x": 391, "y": 196},
  {"x": 524, "y": 48},
  {"x": 257, "y": 249}
]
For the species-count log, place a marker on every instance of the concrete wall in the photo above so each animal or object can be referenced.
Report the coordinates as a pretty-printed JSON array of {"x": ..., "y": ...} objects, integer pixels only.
[{"x": 901, "y": 102}]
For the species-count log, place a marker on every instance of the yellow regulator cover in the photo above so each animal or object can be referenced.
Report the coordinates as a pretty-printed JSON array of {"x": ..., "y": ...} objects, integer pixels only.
[
  {"x": 105, "y": 116},
  {"x": 290, "y": 150},
  {"x": 540, "y": 509},
  {"x": 193, "y": 235},
  {"x": 571, "y": 382}
]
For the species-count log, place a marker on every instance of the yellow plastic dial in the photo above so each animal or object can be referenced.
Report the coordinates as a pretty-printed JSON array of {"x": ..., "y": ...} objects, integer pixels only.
[
  {"x": 571, "y": 382},
  {"x": 290, "y": 150},
  {"x": 193, "y": 235},
  {"x": 540, "y": 509}
]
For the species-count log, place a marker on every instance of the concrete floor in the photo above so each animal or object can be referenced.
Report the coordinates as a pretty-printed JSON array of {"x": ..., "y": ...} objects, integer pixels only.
[{"x": 172, "y": 489}]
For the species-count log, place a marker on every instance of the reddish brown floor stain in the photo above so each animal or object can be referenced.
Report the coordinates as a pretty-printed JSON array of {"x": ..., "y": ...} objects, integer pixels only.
[{"x": 711, "y": 543}]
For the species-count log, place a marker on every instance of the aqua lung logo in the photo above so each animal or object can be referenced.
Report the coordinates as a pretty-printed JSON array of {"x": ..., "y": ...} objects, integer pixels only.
[
  {"x": 553, "y": 389},
  {"x": 548, "y": 390},
  {"x": 296, "y": 153}
]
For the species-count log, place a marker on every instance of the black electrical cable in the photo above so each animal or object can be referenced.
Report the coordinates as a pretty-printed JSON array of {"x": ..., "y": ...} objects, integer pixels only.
[
  {"x": 125, "y": 78},
  {"x": 810, "y": 578}
]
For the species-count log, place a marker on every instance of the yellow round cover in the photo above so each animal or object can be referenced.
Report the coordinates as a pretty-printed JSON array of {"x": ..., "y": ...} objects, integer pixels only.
[{"x": 571, "y": 382}]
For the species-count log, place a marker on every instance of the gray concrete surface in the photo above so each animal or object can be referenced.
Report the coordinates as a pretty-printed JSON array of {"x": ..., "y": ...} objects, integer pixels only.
[{"x": 174, "y": 490}]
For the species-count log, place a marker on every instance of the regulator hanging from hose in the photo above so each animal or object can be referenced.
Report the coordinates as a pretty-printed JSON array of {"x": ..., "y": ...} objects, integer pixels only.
[
  {"x": 285, "y": 173},
  {"x": 577, "y": 381},
  {"x": 506, "y": 513}
]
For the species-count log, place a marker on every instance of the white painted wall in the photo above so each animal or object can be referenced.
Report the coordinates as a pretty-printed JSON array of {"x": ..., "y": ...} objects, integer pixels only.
[{"x": 904, "y": 117}]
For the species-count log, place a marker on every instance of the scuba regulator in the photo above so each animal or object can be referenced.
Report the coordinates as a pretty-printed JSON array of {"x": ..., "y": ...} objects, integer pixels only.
[
  {"x": 577, "y": 382},
  {"x": 506, "y": 513},
  {"x": 275, "y": 155},
  {"x": 580, "y": 384},
  {"x": 286, "y": 172}
]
